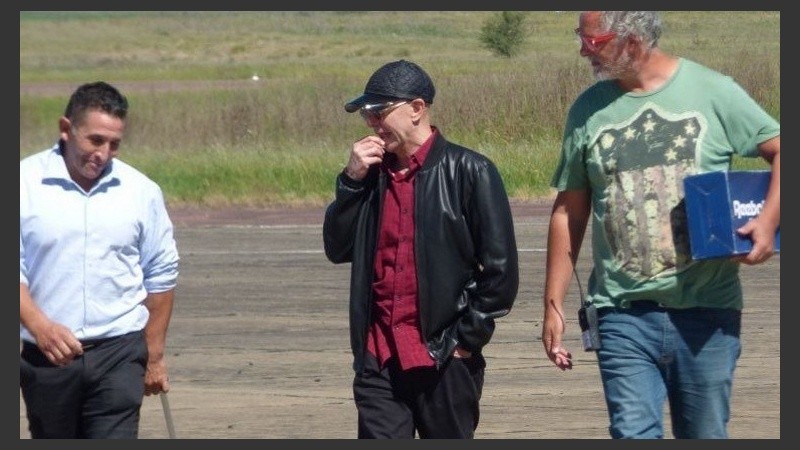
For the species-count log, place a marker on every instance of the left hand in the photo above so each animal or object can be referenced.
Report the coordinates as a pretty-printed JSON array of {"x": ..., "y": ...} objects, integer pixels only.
[
  {"x": 763, "y": 237},
  {"x": 461, "y": 353},
  {"x": 156, "y": 377}
]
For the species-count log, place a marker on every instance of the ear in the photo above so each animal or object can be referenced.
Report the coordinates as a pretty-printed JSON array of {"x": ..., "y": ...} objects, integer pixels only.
[
  {"x": 419, "y": 107},
  {"x": 64, "y": 128},
  {"x": 635, "y": 46}
]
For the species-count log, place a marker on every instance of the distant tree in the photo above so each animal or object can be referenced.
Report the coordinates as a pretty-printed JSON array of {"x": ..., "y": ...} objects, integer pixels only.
[{"x": 504, "y": 33}]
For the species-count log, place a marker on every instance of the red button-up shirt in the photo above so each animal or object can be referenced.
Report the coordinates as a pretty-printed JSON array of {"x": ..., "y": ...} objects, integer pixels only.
[{"x": 395, "y": 329}]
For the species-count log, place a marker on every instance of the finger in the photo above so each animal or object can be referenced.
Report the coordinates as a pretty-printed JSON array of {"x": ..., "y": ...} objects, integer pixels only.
[
  {"x": 75, "y": 346},
  {"x": 55, "y": 354},
  {"x": 376, "y": 149},
  {"x": 744, "y": 229},
  {"x": 566, "y": 359},
  {"x": 58, "y": 358},
  {"x": 52, "y": 357}
]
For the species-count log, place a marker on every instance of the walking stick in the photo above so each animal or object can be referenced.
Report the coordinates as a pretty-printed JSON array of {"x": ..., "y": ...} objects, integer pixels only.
[{"x": 167, "y": 415}]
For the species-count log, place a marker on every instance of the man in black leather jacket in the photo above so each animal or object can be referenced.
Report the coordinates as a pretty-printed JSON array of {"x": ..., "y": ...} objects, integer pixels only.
[{"x": 427, "y": 227}]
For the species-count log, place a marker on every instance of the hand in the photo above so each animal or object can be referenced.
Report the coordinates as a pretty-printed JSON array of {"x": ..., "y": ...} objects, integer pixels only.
[
  {"x": 763, "y": 237},
  {"x": 461, "y": 353},
  {"x": 156, "y": 377},
  {"x": 366, "y": 152},
  {"x": 552, "y": 333},
  {"x": 58, "y": 343}
]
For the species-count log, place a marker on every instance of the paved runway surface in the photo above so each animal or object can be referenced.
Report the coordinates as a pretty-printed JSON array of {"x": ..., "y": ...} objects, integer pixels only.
[{"x": 258, "y": 346}]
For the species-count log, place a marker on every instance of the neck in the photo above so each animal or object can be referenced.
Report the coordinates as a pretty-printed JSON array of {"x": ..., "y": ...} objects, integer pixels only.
[{"x": 650, "y": 71}]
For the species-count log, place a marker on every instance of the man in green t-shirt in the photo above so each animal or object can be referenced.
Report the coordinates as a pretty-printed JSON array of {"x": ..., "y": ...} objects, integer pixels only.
[{"x": 668, "y": 326}]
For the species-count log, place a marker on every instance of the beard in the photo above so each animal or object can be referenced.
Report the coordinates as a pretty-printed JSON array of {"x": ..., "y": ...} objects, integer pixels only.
[{"x": 613, "y": 70}]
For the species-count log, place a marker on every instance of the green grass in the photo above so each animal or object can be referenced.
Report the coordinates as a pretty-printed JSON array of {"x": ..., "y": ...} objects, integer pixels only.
[{"x": 283, "y": 139}]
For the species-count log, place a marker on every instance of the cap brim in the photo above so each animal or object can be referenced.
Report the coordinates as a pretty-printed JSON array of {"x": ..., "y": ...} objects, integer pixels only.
[{"x": 356, "y": 103}]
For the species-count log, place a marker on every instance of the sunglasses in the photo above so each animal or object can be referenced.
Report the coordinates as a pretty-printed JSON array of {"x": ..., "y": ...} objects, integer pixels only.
[
  {"x": 594, "y": 43},
  {"x": 378, "y": 111}
]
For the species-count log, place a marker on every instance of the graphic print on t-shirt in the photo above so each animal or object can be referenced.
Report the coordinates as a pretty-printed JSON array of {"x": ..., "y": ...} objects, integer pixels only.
[{"x": 644, "y": 161}]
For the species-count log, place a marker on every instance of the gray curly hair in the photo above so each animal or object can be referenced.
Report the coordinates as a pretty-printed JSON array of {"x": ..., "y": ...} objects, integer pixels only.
[{"x": 646, "y": 25}]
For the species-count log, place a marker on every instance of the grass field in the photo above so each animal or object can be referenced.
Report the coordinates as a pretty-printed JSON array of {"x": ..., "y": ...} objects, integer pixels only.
[{"x": 283, "y": 139}]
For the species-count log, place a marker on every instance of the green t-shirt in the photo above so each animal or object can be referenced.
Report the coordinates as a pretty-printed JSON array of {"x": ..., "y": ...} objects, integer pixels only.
[{"x": 633, "y": 151}]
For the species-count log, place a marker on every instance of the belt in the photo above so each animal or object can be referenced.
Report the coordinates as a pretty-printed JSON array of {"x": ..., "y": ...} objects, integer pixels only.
[
  {"x": 96, "y": 342},
  {"x": 88, "y": 343},
  {"x": 648, "y": 304}
]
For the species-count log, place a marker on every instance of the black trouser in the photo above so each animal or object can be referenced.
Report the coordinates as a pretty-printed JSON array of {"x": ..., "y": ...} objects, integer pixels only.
[
  {"x": 97, "y": 396},
  {"x": 438, "y": 404}
]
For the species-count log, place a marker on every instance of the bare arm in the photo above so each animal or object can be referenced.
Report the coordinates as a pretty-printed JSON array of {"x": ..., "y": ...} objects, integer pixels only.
[
  {"x": 160, "y": 307},
  {"x": 568, "y": 222},
  {"x": 54, "y": 340},
  {"x": 762, "y": 228}
]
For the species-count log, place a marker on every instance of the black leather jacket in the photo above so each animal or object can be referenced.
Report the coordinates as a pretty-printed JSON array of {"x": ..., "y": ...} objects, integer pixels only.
[{"x": 465, "y": 249}]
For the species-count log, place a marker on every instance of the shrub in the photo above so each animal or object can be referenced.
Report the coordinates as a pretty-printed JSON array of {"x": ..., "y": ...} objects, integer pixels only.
[{"x": 504, "y": 33}]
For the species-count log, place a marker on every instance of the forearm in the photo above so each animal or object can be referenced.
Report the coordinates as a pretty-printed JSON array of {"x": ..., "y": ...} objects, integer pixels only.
[
  {"x": 559, "y": 264},
  {"x": 160, "y": 306},
  {"x": 339, "y": 224},
  {"x": 565, "y": 235},
  {"x": 496, "y": 281},
  {"x": 30, "y": 316},
  {"x": 771, "y": 212}
]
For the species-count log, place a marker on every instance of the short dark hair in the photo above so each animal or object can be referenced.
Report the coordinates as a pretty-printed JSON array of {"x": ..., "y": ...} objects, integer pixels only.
[{"x": 96, "y": 96}]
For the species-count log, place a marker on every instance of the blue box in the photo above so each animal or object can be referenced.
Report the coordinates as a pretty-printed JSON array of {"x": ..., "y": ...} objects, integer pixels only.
[{"x": 717, "y": 203}]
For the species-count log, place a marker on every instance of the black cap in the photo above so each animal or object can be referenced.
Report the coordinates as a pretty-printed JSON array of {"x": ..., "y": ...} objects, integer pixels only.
[{"x": 396, "y": 80}]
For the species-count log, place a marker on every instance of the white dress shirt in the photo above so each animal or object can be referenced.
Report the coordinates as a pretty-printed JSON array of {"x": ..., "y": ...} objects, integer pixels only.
[{"x": 90, "y": 258}]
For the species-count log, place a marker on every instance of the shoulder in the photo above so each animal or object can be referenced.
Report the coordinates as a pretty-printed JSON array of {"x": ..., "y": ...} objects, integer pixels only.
[
  {"x": 36, "y": 157},
  {"x": 593, "y": 97},
  {"x": 703, "y": 73},
  {"x": 459, "y": 152},
  {"x": 37, "y": 162},
  {"x": 129, "y": 174},
  {"x": 598, "y": 91},
  {"x": 468, "y": 164}
]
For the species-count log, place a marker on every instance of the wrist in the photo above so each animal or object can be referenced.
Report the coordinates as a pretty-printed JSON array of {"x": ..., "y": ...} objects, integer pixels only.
[{"x": 350, "y": 174}]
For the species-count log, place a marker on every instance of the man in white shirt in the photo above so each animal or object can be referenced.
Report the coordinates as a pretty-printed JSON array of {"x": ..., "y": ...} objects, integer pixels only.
[{"x": 98, "y": 266}]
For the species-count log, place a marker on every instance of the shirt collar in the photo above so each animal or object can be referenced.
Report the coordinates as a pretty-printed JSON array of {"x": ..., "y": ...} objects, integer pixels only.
[
  {"x": 418, "y": 158},
  {"x": 415, "y": 161}
]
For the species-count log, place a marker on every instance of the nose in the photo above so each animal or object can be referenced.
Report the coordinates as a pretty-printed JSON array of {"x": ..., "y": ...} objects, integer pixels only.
[
  {"x": 101, "y": 155},
  {"x": 105, "y": 151},
  {"x": 585, "y": 52}
]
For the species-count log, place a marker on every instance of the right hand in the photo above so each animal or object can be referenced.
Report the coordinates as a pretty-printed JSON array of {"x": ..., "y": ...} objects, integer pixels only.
[
  {"x": 366, "y": 152},
  {"x": 552, "y": 334},
  {"x": 58, "y": 343}
]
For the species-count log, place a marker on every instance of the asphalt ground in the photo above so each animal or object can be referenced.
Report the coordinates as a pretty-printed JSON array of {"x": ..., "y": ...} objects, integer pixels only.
[{"x": 258, "y": 346}]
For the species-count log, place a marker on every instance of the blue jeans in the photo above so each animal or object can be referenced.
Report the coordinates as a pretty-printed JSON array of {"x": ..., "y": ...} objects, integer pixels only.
[{"x": 650, "y": 354}]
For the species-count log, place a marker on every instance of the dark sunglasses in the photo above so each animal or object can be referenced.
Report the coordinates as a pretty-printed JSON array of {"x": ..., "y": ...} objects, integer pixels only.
[
  {"x": 377, "y": 111},
  {"x": 594, "y": 43}
]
